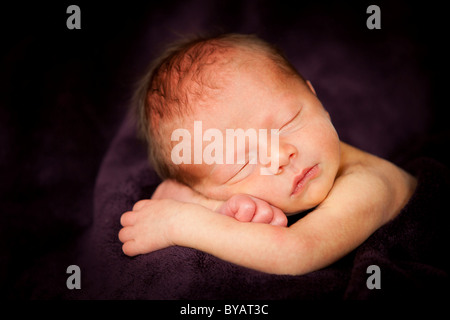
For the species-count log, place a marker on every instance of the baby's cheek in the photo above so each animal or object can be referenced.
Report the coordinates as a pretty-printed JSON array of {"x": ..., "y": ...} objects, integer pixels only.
[{"x": 318, "y": 190}]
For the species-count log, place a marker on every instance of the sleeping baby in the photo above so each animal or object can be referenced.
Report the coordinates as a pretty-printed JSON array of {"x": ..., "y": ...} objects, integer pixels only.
[{"x": 236, "y": 210}]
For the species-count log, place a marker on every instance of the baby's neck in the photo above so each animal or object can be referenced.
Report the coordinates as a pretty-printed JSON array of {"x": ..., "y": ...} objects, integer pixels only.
[{"x": 351, "y": 156}]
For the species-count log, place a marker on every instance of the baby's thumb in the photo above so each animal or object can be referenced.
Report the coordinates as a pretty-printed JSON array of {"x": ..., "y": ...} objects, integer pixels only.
[
  {"x": 240, "y": 207},
  {"x": 227, "y": 208}
]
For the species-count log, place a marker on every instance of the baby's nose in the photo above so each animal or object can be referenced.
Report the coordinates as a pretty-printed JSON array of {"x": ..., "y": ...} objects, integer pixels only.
[
  {"x": 280, "y": 158},
  {"x": 286, "y": 153}
]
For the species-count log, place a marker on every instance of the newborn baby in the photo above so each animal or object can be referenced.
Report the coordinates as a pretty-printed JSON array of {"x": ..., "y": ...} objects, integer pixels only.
[{"x": 235, "y": 209}]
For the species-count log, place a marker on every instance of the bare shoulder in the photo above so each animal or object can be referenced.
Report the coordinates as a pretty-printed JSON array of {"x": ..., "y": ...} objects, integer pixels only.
[
  {"x": 367, "y": 193},
  {"x": 377, "y": 180}
]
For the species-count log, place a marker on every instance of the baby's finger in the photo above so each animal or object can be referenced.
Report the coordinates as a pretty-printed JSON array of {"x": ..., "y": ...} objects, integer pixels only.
[
  {"x": 128, "y": 219},
  {"x": 141, "y": 203},
  {"x": 126, "y": 234},
  {"x": 246, "y": 210},
  {"x": 130, "y": 248},
  {"x": 279, "y": 218},
  {"x": 264, "y": 212},
  {"x": 232, "y": 206}
]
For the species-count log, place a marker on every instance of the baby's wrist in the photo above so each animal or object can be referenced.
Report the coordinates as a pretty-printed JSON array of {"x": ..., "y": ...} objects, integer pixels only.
[
  {"x": 174, "y": 221},
  {"x": 182, "y": 222}
]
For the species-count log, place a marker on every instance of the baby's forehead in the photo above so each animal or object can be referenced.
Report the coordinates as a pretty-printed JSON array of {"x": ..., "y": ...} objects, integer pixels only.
[{"x": 217, "y": 82}]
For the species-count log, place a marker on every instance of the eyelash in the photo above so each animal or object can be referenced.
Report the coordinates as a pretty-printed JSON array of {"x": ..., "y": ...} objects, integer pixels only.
[
  {"x": 290, "y": 121},
  {"x": 242, "y": 168},
  {"x": 246, "y": 164}
]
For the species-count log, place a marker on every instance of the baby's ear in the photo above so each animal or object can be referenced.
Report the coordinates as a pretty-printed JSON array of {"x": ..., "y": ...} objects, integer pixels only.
[{"x": 310, "y": 86}]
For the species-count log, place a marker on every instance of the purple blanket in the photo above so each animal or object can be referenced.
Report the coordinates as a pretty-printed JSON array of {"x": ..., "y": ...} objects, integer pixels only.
[{"x": 70, "y": 163}]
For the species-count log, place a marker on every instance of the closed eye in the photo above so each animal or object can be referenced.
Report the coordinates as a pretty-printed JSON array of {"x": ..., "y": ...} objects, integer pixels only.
[
  {"x": 290, "y": 121},
  {"x": 239, "y": 171}
]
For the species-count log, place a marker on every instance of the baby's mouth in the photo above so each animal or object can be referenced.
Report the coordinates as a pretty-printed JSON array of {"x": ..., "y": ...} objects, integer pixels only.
[{"x": 301, "y": 180}]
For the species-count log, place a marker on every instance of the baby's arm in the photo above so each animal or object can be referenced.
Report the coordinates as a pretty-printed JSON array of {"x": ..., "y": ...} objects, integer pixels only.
[
  {"x": 242, "y": 207},
  {"x": 357, "y": 205}
]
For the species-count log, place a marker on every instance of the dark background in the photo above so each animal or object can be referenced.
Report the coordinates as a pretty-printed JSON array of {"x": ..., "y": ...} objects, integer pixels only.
[{"x": 64, "y": 94}]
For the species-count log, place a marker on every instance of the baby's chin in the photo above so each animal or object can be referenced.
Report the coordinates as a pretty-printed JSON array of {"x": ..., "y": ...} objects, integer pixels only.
[
  {"x": 309, "y": 201},
  {"x": 292, "y": 210}
]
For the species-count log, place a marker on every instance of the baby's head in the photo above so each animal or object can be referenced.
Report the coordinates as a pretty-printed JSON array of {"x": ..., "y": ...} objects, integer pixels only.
[{"x": 209, "y": 86}]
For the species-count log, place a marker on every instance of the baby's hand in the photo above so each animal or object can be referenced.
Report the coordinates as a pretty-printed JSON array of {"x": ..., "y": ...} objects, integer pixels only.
[
  {"x": 145, "y": 228},
  {"x": 246, "y": 208}
]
